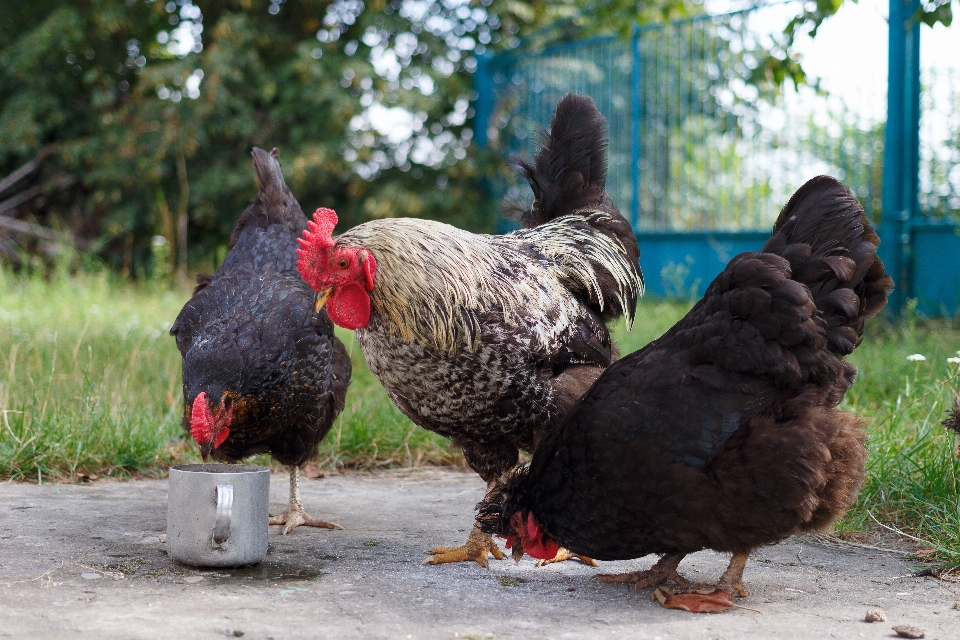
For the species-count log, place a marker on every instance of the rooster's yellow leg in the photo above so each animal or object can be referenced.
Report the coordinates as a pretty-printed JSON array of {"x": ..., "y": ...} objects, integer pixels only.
[
  {"x": 732, "y": 579},
  {"x": 295, "y": 516},
  {"x": 664, "y": 570},
  {"x": 565, "y": 554},
  {"x": 477, "y": 547}
]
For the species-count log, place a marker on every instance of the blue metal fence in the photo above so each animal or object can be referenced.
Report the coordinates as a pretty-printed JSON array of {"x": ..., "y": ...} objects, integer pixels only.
[{"x": 701, "y": 162}]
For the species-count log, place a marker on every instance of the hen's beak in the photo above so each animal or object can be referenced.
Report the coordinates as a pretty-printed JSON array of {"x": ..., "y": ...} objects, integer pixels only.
[
  {"x": 517, "y": 551},
  {"x": 321, "y": 299},
  {"x": 205, "y": 450}
]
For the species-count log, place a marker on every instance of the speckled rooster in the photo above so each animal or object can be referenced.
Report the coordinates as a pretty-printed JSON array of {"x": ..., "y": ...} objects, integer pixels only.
[
  {"x": 489, "y": 340},
  {"x": 262, "y": 372}
]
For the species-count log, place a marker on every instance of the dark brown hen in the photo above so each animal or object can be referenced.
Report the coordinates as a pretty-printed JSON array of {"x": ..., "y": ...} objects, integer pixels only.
[
  {"x": 721, "y": 434},
  {"x": 262, "y": 371},
  {"x": 489, "y": 340}
]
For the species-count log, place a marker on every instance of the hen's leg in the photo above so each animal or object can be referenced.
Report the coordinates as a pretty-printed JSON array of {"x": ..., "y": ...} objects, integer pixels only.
[
  {"x": 478, "y": 546},
  {"x": 708, "y": 598},
  {"x": 295, "y": 516},
  {"x": 664, "y": 570},
  {"x": 565, "y": 554},
  {"x": 732, "y": 579}
]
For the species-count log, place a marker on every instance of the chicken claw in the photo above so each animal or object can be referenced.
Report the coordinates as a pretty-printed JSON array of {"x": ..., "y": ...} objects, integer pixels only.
[
  {"x": 293, "y": 518},
  {"x": 477, "y": 547},
  {"x": 565, "y": 554},
  {"x": 664, "y": 570}
]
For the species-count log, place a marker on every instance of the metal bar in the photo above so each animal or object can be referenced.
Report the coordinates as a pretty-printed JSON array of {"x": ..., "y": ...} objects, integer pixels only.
[
  {"x": 635, "y": 140},
  {"x": 484, "y": 103},
  {"x": 900, "y": 161}
]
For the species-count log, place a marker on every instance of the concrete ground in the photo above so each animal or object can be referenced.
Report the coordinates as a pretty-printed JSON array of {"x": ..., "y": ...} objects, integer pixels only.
[{"x": 89, "y": 561}]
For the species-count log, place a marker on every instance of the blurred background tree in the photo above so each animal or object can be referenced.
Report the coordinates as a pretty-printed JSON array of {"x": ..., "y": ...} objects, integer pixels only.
[
  {"x": 141, "y": 115},
  {"x": 128, "y": 124}
]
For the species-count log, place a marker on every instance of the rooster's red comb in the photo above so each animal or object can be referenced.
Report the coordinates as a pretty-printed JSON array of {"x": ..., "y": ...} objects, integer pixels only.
[{"x": 315, "y": 244}]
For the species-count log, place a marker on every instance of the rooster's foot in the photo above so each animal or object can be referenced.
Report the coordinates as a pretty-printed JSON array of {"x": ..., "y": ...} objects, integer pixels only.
[
  {"x": 565, "y": 554},
  {"x": 665, "y": 570},
  {"x": 477, "y": 547},
  {"x": 293, "y": 518}
]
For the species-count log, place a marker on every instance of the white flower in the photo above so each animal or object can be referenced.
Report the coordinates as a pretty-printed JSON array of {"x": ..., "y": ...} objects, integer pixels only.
[
  {"x": 916, "y": 357},
  {"x": 953, "y": 360}
]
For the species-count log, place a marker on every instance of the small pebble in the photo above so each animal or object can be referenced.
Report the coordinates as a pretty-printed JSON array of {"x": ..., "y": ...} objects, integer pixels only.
[
  {"x": 90, "y": 576},
  {"x": 237, "y": 633},
  {"x": 906, "y": 631},
  {"x": 875, "y": 615},
  {"x": 193, "y": 579}
]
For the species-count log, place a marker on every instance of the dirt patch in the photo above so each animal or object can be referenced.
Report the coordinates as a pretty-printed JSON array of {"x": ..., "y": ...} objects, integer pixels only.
[{"x": 89, "y": 560}]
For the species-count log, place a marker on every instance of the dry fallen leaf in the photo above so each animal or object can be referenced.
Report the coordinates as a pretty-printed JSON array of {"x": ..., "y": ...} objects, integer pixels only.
[
  {"x": 906, "y": 631},
  {"x": 713, "y": 601}
]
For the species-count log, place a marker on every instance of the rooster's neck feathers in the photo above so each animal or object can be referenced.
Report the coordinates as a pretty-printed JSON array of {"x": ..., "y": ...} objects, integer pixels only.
[{"x": 434, "y": 281}]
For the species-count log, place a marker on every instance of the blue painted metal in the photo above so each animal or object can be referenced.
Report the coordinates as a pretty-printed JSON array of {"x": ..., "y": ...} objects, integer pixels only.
[
  {"x": 704, "y": 171},
  {"x": 484, "y": 101},
  {"x": 636, "y": 114},
  {"x": 936, "y": 274},
  {"x": 901, "y": 162},
  {"x": 682, "y": 263}
]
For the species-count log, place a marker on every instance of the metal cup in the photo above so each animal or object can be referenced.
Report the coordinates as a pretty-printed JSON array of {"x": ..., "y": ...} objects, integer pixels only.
[{"x": 217, "y": 514}]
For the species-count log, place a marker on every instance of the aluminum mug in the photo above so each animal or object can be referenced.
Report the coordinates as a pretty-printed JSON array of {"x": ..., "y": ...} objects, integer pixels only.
[{"x": 217, "y": 514}]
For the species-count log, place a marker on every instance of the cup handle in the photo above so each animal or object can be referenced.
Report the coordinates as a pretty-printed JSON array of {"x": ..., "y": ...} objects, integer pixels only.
[{"x": 221, "y": 529}]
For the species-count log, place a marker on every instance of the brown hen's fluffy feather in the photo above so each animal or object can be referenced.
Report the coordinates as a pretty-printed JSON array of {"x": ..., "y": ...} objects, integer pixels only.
[{"x": 723, "y": 433}]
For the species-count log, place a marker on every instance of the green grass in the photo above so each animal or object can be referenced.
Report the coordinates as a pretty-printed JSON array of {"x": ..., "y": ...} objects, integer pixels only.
[{"x": 90, "y": 383}]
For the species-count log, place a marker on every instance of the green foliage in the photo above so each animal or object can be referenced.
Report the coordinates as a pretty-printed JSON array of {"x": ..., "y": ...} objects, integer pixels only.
[
  {"x": 913, "y": 473},
  {"x": 90, "y": 383},
  {"x": 87, "y": 379},
  {"x": 149, "y": 111},
  {"x": 144, "y": 113}
]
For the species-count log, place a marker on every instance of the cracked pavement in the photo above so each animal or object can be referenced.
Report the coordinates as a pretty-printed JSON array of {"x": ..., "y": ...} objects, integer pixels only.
[{"x": 85, "y": 560}]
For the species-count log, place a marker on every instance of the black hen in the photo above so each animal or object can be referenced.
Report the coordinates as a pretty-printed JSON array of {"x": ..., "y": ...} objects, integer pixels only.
[
  {"x": 262, "y": 371},
  {"x": 722, "y": 433}
]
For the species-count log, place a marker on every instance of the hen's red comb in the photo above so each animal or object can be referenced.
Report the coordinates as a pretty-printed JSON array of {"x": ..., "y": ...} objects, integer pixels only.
[
  {"x": 201, "y": 420},
  {"x": 316, "y": 242}
]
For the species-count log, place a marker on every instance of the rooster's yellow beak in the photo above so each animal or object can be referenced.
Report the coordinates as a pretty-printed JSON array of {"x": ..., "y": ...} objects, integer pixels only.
[{"x": 321, "y": 299}]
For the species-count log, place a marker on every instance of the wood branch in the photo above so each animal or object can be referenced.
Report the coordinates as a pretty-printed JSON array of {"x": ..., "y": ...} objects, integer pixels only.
[
  {"x": 183, "y": 218},
  {"x": 25, "y": 170},
  {"x": 15, "y": 201},
  {"x": 28, "y": 228},
  {"x": 54, "y": 184},
  {"x": 39, "y": 231}
]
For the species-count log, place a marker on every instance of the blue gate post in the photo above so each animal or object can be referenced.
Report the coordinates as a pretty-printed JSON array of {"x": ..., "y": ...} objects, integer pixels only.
[
  {"x": 483, "y": 103},
  {"x": 635, "y": 120},
  {"x": 901, "y": 152}
]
